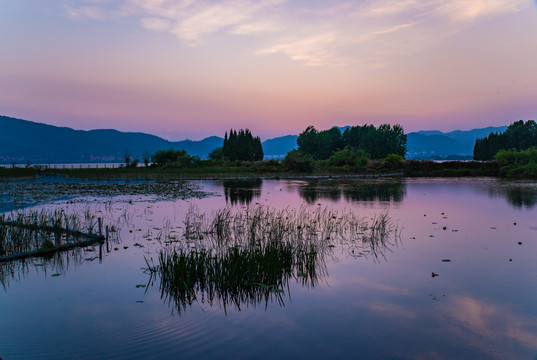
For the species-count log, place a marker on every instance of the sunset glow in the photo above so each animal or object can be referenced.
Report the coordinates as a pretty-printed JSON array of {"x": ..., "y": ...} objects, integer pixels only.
[{"x": 194, "y": 68}]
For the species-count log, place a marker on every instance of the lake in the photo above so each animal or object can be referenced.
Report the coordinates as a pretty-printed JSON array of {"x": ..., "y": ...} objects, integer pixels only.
[{"x": 389, "y": 268}]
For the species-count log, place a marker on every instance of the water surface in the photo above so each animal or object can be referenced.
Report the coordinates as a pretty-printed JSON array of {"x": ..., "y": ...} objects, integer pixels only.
[{"x": 478, "y": 236}]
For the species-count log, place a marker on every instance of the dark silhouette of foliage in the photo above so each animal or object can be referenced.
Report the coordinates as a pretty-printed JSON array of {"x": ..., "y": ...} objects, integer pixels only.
[
  {"x": 296, "y": 160},
  {"x": 377, "y": 142},
  {"x": 519, "y": 136},
  {"x": 175, "y": 158},
  {"x": 521, "y": 164},
  {"x": 217, "y": 154},
  {"x": 146, "y": 158},
  {"x": 127, "y": 157},
  {"x": 242, "y": 145},
  {"x": 355, "y": 159}
]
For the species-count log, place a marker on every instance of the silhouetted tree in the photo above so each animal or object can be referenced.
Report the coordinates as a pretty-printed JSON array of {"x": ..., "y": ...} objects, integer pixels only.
[
  {"x": 518, "y": 136},
  {"x": 146, "y": 158},
  {"x": 242, "y": 145},
  {"x": 378, "y": 143}
]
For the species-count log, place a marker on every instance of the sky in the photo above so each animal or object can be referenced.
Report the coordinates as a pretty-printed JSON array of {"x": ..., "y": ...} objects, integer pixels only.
[{"x": 188, "y": 69}]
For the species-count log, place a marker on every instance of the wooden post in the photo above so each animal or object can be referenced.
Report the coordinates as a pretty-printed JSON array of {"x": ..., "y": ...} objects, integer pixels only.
[{"x": 107, "y": 250}]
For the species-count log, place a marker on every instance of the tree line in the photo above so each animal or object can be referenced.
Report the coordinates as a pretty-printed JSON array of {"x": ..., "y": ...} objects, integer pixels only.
[
  {"x": 378, "y": 143},
  {"x": 350, "y": 149},
  {"x": 518, "y": 136},
  {"x": 241, "y": 145}
]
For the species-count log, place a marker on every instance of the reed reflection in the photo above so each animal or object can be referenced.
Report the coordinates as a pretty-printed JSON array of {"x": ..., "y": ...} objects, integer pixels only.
[
  {"x": 392, "y": 190},
  {"x": 521, "y": 196},
  {"x": 50, "y": 265},
  {"x": 252, "y": 256},
  {"x": 242, "y": 192}
]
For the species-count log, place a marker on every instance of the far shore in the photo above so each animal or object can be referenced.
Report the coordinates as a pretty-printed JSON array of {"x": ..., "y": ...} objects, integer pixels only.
[{"x": 268, "y": 169}]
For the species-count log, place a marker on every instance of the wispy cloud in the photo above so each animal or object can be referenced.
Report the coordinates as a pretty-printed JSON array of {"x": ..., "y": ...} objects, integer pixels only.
[
  {"x": 367, "y": 33},
  {"x": 257, "y": 28},
  {"x": 482, "y": 320},
  {"x": 470, "y": 10},
  {"x": 313, "y": 50},
  {"x": 87, "y": 12},
  {"x": 156, "y": 24},
  {"x": 393, "y": 29}
]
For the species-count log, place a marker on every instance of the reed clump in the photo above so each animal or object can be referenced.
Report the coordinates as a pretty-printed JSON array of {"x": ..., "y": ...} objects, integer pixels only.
[
  {"x": 28, "y": 232},
  {"x": 249, "y": 256}
]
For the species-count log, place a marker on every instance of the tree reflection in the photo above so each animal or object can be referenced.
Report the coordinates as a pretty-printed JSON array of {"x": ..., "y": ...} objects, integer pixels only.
[
  {"x": 522, "y": 197},
  {"x": 518, "y": 194},
  {"x": 242, "y": 192},
  {"x": 392, "y": 190}
]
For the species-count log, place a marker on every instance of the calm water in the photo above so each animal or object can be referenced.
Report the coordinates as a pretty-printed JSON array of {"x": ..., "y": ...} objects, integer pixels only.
[{"x": 389, "y": 306}]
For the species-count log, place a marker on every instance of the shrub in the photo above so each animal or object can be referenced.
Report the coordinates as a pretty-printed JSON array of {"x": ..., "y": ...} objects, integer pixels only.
[
  {"x": 355, "y": 159},
  {"x": 296, "y": 160}
]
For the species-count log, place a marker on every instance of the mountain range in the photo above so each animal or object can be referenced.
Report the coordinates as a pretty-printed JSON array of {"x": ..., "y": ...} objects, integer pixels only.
[{"x": 23, "y": 141}]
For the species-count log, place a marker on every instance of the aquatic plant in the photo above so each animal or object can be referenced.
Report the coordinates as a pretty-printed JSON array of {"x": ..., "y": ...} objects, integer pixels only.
[
  {"x": 27, "y": 233},
  {"x": 248, "y": 256}
]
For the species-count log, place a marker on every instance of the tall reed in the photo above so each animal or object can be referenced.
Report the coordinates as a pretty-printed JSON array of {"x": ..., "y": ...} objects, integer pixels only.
[{"x": 248, "y": 256}]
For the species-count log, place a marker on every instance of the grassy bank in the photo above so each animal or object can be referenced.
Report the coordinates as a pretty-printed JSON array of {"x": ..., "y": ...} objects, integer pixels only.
[
  {"x": 12, "y": 173},
  {"x": 275, "y": 169}
]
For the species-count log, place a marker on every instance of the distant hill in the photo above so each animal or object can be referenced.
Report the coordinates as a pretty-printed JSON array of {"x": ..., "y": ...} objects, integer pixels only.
[
  {"x": 23, "y": 141},
  {"x": 280, "y": 146},
  {"x": 434, "y": 144}
]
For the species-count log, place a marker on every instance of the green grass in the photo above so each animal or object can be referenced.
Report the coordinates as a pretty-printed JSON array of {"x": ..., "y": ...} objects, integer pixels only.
[
  {"x": 275, "y": 169},
  {"x": 248, "y": 256},
  {"x": 11, "y": 173},
  {"x": 31, "y": 233}
]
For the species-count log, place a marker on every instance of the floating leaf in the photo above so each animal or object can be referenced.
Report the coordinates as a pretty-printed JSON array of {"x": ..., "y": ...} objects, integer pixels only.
[
  {"x": 277, "y": 291},
  {"x": 55, "y": 275},
  {"x": 141, "y": 286}
]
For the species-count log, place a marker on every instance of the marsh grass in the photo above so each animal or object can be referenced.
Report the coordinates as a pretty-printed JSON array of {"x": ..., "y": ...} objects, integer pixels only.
[
  {"x": 33, "y": 232},
  {"x": 245, "y": 257},
  {"x": 55, "y": 263}
]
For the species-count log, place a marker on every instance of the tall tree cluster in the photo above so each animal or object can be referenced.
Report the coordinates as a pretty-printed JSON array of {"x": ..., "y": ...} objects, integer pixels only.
[
  {"x": 241, "y": 145},
  {"x": 519, "y": 136},
  {"x": 377, "y": 142}
]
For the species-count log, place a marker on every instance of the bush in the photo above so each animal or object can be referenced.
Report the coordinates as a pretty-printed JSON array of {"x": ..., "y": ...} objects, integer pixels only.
[
  {"x": 174, "y": 158},
  {"x": 133, "y": 163},
  {"x": 518, "y": 164},
  {"x": 216, "y": 154},
  {"x": 393, "y": 161},
  {"x": 355, "y": 159},
  {"x": 296, "y": 160}
]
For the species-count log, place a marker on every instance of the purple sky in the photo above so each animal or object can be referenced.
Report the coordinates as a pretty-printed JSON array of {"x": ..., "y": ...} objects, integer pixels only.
[{"x": 194, "y": 68}]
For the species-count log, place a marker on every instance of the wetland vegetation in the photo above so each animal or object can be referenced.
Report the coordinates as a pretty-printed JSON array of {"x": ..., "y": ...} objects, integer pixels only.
[
  {"x": 244, "y": 257},
  {"x": 335, "y": 259}
]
